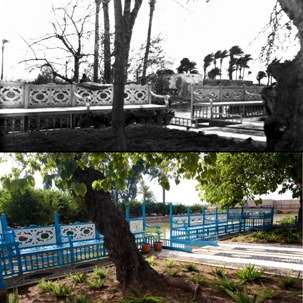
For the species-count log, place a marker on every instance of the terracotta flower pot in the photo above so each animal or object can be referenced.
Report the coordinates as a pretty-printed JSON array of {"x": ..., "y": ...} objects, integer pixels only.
[
  {"x": 157, "y": 246},
  {"x": 145, "y": 248}
]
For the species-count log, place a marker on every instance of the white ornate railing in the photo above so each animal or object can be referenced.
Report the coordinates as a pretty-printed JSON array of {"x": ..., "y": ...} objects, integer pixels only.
[
  {"x": 78, "y": 231},
  {"x": 35, "y": 236},
  {"x": 21, "y": 95}
]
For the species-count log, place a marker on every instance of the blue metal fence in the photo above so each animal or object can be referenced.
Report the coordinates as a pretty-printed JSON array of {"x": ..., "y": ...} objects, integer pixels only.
[{"x": 204, "y": 228}]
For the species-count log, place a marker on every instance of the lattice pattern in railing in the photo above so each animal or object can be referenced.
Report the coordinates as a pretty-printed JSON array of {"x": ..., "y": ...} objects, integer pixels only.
[
  {"x": 136, "y": 226},
  {"x": 78, "y": 231},
  {"x": 35, "y": 236},
  {"x": 11, "y": 95},
  {"x": 50, "y": 95}
]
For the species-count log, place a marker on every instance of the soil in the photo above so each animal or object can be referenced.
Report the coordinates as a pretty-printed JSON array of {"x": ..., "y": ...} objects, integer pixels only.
[
  {"x": 139, "y": 137},
  {"x": 111, "y": 291}
]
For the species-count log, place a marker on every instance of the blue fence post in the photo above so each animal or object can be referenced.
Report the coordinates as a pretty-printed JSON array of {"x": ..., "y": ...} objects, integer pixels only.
[
  {"x": 143, "y": 215},
  {"x": 272, "y": 216},
  {"x": 242, "y": 220},
  {"x": 217, "y": 221},
  {"x": 58, "y": 237},
  {"x": 127, "y": 216},
  {"x": 203, "y": 215},
  {"x": 171, "y": 221}
]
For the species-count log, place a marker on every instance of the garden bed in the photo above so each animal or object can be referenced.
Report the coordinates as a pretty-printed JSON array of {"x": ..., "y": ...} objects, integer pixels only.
[
  {"x": 147, "y": 137},
  {"x": 213, "y": 280}
]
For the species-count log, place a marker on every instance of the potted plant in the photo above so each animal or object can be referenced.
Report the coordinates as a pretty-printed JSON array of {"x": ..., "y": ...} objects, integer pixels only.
[
  {"x": 158, "y": 242},
  {"x": 145, "y": 248}
]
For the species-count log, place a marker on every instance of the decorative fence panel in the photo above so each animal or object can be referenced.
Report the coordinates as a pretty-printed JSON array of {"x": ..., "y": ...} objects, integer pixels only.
[
  {"x": 204, "y": 229},
  {"x": 21, "y": 95}
]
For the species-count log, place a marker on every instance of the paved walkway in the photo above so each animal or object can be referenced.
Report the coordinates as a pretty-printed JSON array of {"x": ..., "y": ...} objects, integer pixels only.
[{"x": 275, "y": 259}]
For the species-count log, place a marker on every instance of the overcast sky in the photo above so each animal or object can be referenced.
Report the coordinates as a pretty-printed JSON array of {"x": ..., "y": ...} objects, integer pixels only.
[{"x": 190, "y": 30}]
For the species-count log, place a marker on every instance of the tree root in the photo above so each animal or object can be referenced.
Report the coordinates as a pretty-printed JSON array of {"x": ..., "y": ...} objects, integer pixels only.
[{"x": 187, "y": 286}]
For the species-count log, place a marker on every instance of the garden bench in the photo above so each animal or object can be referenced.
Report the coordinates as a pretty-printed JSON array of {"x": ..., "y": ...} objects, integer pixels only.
[
  {"x": 222, "y": 106},
  {"x": 26, "y": 107}
]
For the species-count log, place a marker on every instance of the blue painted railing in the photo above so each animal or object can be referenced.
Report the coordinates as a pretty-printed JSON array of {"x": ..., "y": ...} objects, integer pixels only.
[{"x": 204, "y": 228}]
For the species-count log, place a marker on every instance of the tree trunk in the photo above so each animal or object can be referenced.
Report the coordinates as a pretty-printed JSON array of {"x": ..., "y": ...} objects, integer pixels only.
[
  {"x": 123, "y": 31},
  {"x": 119, "y": 85},
  {"x": 107, "y": 61},
  {"x": 76, "y": 68},
  {"x": 152, "y": 4},
  {"x": 118, "y": 240},
  {"x": 284, "y": 128},
  {"x": 96, "y": 46}
]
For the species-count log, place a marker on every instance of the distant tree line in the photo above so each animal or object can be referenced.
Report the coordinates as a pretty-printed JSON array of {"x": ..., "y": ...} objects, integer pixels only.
[{"x": 37, "y": 207}]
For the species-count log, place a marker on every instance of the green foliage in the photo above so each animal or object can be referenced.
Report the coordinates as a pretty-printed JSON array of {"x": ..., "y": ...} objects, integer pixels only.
[
  {"x": 13, "y": 297},
  {"x": 139, "y": 298},
  {"x": 289, "y": 281},
  {"x": 287, "y": 221},
  {"x": 218, "y": 272},
  {"x": 150, "y": 260},
  {"x": 266, "y": 293},
  {"x": 57, "y": 289},
  {"x": 191, "y": 266},
  {"x": 80, "y": 298},
  {"x": 199, "y": 280},
  {"x": 249, "y": 273},
  {"x": 100, "y": 272},
  {"x": 37, "y": 207},
  {"x": 243, "y": 296},
  {"x": 172, "y": 272},
  {"x": 224, "y": 283},
  {"x": 79, "y": 277},
  {"x": 169, "y": 263},
  {"x": 236, "y": 177},
  {"x": 95, "y": 283}
]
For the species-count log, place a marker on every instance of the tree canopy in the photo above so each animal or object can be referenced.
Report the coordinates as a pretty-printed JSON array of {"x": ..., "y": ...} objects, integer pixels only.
[{"x": 237, "y": 177}]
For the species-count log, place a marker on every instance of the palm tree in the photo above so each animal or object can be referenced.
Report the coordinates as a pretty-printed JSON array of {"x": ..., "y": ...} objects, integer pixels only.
[
  {"x": 212, "y": 74},
  {"x": 224, "y": 54},
  {"x": 152, "y": 4},
  {"x": 245, "y": 60},
  {"x": 261, "y": 74},
  {"x": 146, "y": 192},
  {"x": 234, "y": 51},
  {"x": 208, "y": 59},
  {"x": 217, "y": 56}
]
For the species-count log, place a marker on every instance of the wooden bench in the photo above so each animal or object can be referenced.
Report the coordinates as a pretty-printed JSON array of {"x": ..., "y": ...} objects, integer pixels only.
[{"x": 54, "y": 106}]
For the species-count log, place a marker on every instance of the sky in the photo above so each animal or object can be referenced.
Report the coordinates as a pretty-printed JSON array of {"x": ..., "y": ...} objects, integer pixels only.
[
  {"x": 190, "y": 30},
  {"x": 184, "y": 193}
]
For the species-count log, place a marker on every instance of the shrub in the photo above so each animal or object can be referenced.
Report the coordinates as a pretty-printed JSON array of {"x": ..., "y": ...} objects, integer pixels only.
[
  {"x": 191, "y": 267},
  {"x": 95, "y": 283},
  {"x": 224, "y": 283},
  {"x": 55, "y": 288},
  {"x": 218, "y": 272},
  {"x": 139, "y": 298},
  {"x": 289, "y": 281},
  {"x": 249, "y": 273},
  {"x": 169, "y": 263},
  {"x": 78, "y": 278},
  {"x": 150, "y": 260},
  {"x": 13, "y": 297},
  {"x": 100, "y": 273},
  {"x": 199, "y": 280},
  {"x": 266, "y": 293},
  {"x": 287, "y": 220},
  {"x": 81, "y": 298},
  {"x": 172, "y": 272},
  {"x": 242, "y": 297}
]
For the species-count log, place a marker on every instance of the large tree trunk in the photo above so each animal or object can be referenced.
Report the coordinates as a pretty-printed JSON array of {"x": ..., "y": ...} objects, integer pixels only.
[
  {"x": 118, "y": 240},
  {"x": 119, "y": 85},
  {"x": 152, "y": 4},
  {"x": 96, "y": 46},
  {"x": 107, "y": 61},
  {"x": 284, "y": 127},
  {"x": 124, "y": 24}
]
